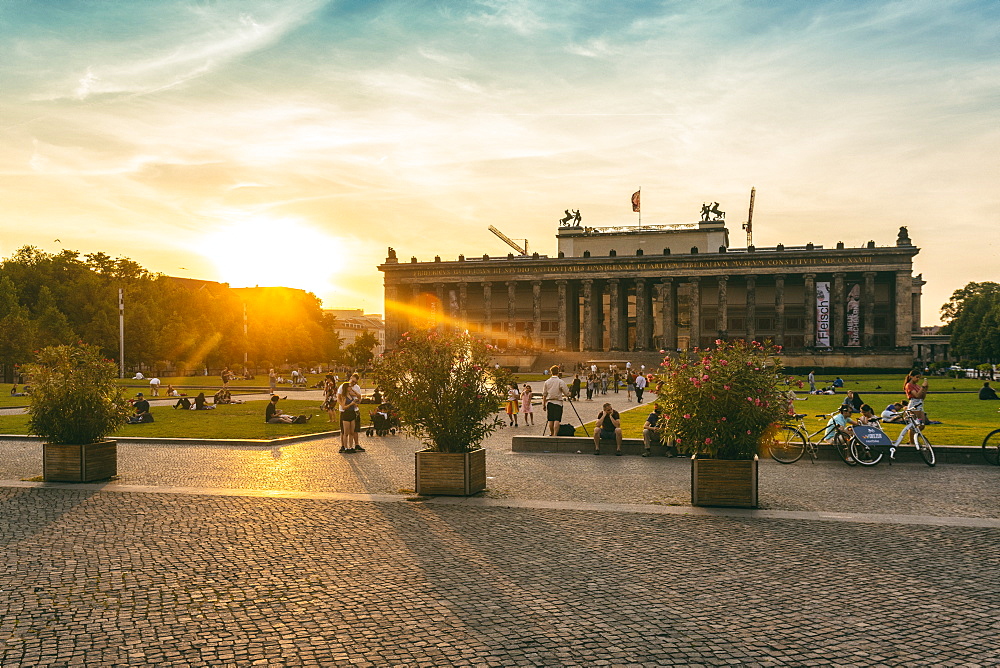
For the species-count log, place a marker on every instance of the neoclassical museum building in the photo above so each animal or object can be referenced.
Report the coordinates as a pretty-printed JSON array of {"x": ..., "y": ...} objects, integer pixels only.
[{"x": 628, "y": 292}]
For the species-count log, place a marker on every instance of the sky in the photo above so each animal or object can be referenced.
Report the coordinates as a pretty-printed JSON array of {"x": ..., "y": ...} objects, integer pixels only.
[{"x": 290, "y": 142}]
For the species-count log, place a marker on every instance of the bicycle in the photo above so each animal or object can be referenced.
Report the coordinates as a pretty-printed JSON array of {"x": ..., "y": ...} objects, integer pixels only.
[
  {"x": 792, "y": 441},
  {"x": 991, "y": 447},
  {"x": 870, "y": 454}
]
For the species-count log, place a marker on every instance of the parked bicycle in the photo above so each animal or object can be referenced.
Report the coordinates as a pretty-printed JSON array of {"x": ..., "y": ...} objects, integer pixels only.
[
  {"x": 991, "y": 447},
  {"x": 794, "y": 440},
  {"x": 870, "y": 451}
]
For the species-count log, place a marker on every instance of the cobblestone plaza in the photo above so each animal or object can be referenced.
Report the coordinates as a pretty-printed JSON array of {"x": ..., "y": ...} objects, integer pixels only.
[{"x": 295, "y": 555}]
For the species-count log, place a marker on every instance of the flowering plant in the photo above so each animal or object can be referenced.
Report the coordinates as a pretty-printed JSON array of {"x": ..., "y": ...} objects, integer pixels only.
[
  {"x": 723, "y": 402},
  {"x": 74, "y": 397},
  {"x": 444, "y": 388}
]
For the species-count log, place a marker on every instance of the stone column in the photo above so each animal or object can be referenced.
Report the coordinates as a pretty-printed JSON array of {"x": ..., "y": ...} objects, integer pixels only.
[
  {"x": 868, "y": 311},
  {"x": 463, "y": 305},
  {"x": 668, "y": 302},
  {"x": 810, "y": 299},
  {"x": 838, "y": 317},
  {"x": 488, "y": 309},
  {"x": 694, "y": 332},
  {"x": 723, "y": 317},
  {"x": 904, "y": 305},
  {"x": 440, "y": 321},
  {"x": 393, "y": 315},
  {"x": 751, "y": 318},
  {"x": 779, "y": 309},
  {"x": 642, "y": 319},
  {"x": 563, "y": 341},
  {"x": 511, "y": 320},
  {"x": 615, "y": 316},
  {"x": 536, "y": 315},
  {"x": 918, "y": 285},
  {"x": 588, "y": 314}
]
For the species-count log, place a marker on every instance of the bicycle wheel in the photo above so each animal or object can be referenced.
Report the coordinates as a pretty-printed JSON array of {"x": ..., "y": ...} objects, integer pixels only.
[
  {"x": 865, "y": 454},
  {"x": 991, "y": 447},
  {"x": 844, "y": 450},
  {"x": 925, "y": 449},
  {"x": 788, "y": 446}
]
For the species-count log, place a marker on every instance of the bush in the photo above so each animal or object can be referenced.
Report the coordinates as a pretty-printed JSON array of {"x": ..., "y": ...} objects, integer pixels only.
[
  {"x": 74, "y": 397},
  {"x": 723, "y": 402},
  {"x": 444, "y": 388}
]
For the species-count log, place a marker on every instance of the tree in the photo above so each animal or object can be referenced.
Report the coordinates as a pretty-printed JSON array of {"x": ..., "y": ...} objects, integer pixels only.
[
  {"x": 360, "y": 352},
  {"x": 973, "y": 315}
]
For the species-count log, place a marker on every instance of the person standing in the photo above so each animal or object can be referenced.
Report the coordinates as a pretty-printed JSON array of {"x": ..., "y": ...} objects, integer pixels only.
[
  {"x": 812, "y": 382},
  {"x": 629, "y": 384},
  {"x": 916, "y": 391},
  {"x": 553, "y": 392},
  {"x": 640, "y": 385},
  {"x": 272, "y": 379},
  {"x": 616, "y": 379},
  {"x": 513, "y": 398},
  {"x": 226, "y": 377},
  {"x": 329, "y": 396},
  {"x": 526, "y": 409},
  {"x": 591, "y": 381},
  {"x": 356, "y": 393},
  {"x": 575, "y": 394},
  {"x": 348, "y": 405},
  {"x": 154, "y": 386}
]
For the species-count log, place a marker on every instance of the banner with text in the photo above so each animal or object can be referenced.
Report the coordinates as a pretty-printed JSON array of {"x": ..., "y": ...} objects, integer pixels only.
[
  {"x": 822, "y": 314},
  {"x": 854, "y": 315}
]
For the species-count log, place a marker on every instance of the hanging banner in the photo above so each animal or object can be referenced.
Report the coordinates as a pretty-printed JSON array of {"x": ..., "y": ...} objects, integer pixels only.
[
  {"x": 854, "y": 315},
  {"x": 822, "y": 314}
]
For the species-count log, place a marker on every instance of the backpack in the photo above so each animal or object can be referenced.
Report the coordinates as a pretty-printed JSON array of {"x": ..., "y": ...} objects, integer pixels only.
[{"x": 567, "y": 430}]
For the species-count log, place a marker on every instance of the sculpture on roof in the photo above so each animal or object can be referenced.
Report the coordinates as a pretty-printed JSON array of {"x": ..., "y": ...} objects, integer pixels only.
[{"x": 711, "y": 212}]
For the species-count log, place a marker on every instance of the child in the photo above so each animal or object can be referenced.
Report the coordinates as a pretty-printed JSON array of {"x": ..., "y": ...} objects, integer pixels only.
[
  {"x": 513, "y": 396},
  {"x": 526, "y": 405}
]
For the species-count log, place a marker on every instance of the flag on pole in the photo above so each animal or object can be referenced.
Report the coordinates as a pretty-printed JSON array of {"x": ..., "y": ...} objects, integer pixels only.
[{"x": 635, "y": 200}]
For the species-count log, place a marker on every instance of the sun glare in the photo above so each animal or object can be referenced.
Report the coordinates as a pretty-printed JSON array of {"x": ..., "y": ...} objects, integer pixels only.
[{"x": 272, "y": 252}]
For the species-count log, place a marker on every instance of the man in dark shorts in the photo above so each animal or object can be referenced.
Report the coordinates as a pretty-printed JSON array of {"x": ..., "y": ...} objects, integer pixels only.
[
  {"x": 553, "y": 391},
  {"x": 608, "y": 426}
]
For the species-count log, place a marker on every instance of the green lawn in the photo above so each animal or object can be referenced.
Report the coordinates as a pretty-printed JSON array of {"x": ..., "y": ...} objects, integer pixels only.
[
  {"x": 215, "y": 382},
  {"x": 242, "y": 421},
  {"x": 966, "y": 419}
]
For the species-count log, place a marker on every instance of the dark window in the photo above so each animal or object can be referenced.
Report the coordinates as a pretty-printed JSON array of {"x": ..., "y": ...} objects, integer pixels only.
[
  {"x": 639, "y": 252},
  {"x": 586, "y": 253}
]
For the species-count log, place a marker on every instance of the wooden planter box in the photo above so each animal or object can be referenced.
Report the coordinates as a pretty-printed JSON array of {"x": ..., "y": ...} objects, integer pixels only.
[
  {"x": 450, "y": 474},
  {"x": 79, "y": 463},
  {"x": 724, "y": 482}
]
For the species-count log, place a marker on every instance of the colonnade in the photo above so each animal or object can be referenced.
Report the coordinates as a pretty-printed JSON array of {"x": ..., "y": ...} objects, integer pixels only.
[{"x": 647, "y": 313}]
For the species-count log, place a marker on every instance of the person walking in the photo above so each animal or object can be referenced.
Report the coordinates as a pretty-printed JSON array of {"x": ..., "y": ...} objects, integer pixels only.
[
  {"x": 640, "y": 385},
  {"x": 812, "y": 382},
  {"x": 629, "y": 384},
  {"x": 513, "y": 398},
  {"x": 330, "y": 396},
  {"x": 575, "y": 394},
  {"x": 591, "y": 381},
  {"x": 553, "y": 391}
]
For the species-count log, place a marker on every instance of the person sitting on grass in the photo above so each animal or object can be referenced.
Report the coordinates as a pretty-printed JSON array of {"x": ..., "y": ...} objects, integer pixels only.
[
  {"x": 224, "y": 396},
  {"x": 608, "y": 426},
  {"x": 987, "y": 393},
  {"x": 867, "y": 416},
  {"x": 141, "y": 407},
  {"x": 183, "y": 403},
  {"x": 201, "y": 403},
  {"x": 274, "y": 415},
  {"x": 893, "y": 413},
  {"x": 15, "y": 393}
]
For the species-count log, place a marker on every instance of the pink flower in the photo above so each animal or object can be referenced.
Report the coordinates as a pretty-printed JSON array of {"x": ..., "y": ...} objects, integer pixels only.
[
  {"x": 708, "y": 441},
  {"x": 724, "y": 362},
  {"x": 726, "y": 387},
  {"x": 748, "y": 431},
  {"x": 704, "y": 377},
  {"x": 663, "y": 352},
  {"x": 687, "y": 416},
  {"x": 750, "y": 399},
  {"x": 718, "y": 342},
  {"x": 723, "y": 418}
]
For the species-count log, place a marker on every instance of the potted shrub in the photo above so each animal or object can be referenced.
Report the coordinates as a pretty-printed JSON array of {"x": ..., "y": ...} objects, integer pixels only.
[
  {"x": 75, "y": 405},
  {"x": 447, "y": 392},
  {"x": 720, "y": 406}
]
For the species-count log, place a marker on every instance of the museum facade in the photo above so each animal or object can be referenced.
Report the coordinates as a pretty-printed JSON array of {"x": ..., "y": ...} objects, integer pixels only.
[{"x": 644, "y": 289}]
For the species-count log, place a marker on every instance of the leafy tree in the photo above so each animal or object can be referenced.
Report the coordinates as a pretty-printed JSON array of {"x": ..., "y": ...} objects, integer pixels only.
[
  {"x": 973, "y": 315},
  {"x": 360, "y": 352}
]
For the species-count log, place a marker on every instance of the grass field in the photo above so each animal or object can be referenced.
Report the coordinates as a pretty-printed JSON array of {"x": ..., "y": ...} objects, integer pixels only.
[
  {"x": 966, "y": 420},
  {"x": 241, "y": 421}
]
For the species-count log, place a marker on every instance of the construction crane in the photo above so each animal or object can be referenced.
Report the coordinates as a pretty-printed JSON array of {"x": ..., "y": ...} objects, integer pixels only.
[
  {"x": 510, "y": 242},
  {"x": 748, "y": 226}
]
